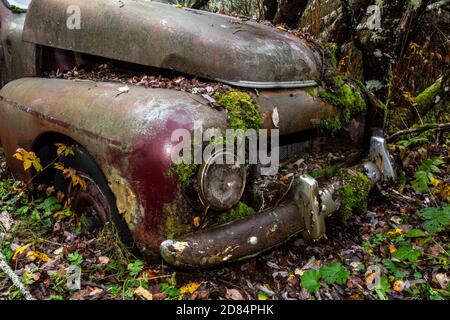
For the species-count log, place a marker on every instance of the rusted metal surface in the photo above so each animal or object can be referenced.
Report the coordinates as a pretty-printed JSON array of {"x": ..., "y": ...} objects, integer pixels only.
[
  {"x": 129, "y": 136},
  {"x": 190, "y": 41},
  {"x": 298, "y": 110},
  {"x": 234, "y": 241},
  {"x": 17, "y": 58}
]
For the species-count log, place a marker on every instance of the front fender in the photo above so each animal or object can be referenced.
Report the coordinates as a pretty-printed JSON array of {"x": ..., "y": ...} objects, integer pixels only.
[{"x": 128, "y": 134}]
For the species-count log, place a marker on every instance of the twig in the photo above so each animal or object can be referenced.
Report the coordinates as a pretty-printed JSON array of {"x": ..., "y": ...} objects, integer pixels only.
[
  {"x": 14, "y": 278},
  {"x": 435, "y": 127},
  {"x": 286, "y": 192}
]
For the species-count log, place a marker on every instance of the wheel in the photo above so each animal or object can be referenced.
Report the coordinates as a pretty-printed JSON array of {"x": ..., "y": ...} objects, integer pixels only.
[{"x": 96, "y": 203}]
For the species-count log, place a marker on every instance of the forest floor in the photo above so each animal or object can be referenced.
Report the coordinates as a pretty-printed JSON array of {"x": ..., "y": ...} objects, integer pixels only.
[{"x": 398, "y": 249}]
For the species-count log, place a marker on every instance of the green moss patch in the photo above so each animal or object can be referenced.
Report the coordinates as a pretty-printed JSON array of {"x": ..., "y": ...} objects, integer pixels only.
[
  {"x": 345, "y": 96},
  {"x": 240, "y": 211},
  {"x": 243, "y": 112},
  {"x": 176, "y": 223},
  {"x": 327, "y": 172},
  {"x": 354, "y": 194},
  {"x": 428, "y": 96},
  {"x": 184, "y": 172},
  {"x": 331, "y": 50}
]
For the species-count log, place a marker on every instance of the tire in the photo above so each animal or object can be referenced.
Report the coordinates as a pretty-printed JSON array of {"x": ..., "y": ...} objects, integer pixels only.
[{"x": 97, "y": 189}]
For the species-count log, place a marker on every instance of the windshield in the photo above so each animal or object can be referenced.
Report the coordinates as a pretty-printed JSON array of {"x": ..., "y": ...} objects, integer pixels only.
[{"x": 21, "y": 4}]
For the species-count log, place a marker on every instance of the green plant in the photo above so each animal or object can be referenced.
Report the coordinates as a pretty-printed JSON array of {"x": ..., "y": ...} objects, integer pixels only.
[
  {"x": 330, "y": 273},
  {"x": 326, "y": 172},
  {"x": 75, "y": 258},
  {"x": 406, "y": 252},
  {"x": 334, "y": 273},
  {"x": 413, "y": 141},
  {"x": 382, "y": 288},
  {"x": 136, "y": 267},
  {"x": 310, "y": 280},
  {"x": 171, "y": 290},
  {"x": 240, "y": 211},
  {"x": 436, "y": 219},
  {"x": 16, "y": 9},
  {"x": 425, "y": 174}
]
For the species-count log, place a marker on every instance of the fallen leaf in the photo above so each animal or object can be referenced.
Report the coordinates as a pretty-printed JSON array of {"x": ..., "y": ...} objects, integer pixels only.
[
  {"x": 102, "y": 260},
  {"x": 370, "y": 278},
  {"x": 36, "y": 255},
  {"x": 20, "y": 250},
  {"x": 392, "y": 249},
  {"x": 159, "y": 296},
  {"x": 94, "y": 291},
  {"x": 189, "y": 288},
  {"x": 233, "y": 294},
  {"x": 442, "y": 279},
  {"x": 50, "y": 190},
  {"x": 396, "y": 231},
  {"x": 58, "y": 251},
  {"x": 281, "y": 27},
  {"x": 197, "y": 221},
  {"x": 398, "y": 286},
  {"x": 286, "y": 177},
  {"x": 143, "y": 293}
]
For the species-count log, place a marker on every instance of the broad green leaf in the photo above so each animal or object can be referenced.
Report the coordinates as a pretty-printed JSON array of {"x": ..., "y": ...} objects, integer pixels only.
[
  {"x": 334, "y": 273},
  {"x": 436, "y": 219},
  {"x": 310, "y": 280},
  {"x": 406, "y": 253},
  {"x": 415, "y": 233},
  {"x": 135, "y": 268}
]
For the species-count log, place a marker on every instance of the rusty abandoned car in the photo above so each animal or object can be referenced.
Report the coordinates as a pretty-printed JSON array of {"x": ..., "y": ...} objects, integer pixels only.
[{"x": 123, "y": 140}]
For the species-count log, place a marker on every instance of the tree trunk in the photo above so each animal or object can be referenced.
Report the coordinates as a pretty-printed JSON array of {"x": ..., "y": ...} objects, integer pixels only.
[
  {"x": 381, "y": 49},
  {"x": 344, "y": 28},
  {"x": 270, "y": 9},
  {"x": 289, "y": 12}
]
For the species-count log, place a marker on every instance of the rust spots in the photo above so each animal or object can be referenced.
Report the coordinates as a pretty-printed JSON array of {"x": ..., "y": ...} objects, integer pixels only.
[{"x": 125, "y": 199}]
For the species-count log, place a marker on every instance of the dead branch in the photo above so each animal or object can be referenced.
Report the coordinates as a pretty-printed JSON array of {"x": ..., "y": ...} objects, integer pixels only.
[
  {"x": 435, "y": 127},
  {"x": 14, "y": 278}
]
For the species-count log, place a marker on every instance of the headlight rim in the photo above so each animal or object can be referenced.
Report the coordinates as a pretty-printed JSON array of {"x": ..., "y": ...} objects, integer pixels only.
[{"x": 201, "y": 180}]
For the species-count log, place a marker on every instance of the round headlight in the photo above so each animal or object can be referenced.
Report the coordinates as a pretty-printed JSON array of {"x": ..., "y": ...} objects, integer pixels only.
[{"x": 221, "y": 184}]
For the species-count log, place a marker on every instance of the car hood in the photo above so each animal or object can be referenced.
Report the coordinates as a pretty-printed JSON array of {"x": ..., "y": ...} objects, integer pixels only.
[{"x": 198, "y": 43}]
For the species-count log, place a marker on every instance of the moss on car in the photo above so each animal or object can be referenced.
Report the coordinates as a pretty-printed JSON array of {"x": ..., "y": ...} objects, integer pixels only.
[
  {"x": 240, "y": 211},
  {"x": 243, "y": 112},
  {"x": 345, "y": 96},
  {"x": 354, "y": 193}
]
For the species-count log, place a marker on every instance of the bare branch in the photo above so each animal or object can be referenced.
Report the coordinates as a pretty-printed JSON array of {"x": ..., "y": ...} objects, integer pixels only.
[
  {"x": 435, "y": 127},
  {"x": 14, "y": 278}
]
